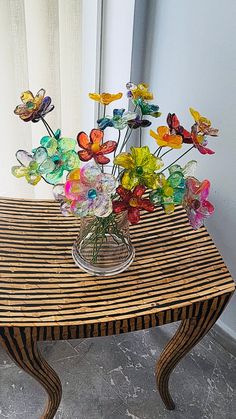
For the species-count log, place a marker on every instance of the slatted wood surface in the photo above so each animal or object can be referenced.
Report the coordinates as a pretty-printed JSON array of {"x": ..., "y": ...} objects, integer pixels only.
[{"x": 174, "y": 269}]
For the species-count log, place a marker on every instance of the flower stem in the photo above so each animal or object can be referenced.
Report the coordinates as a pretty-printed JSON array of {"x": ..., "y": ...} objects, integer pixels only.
[
  {"x": 48, "y": 128},
  {"x": 178, "y": 159},
  {"x": 166, "y": 152}
]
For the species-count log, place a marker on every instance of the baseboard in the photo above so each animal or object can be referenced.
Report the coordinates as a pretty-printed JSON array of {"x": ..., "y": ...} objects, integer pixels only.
[{"x": 224, "y": 336}]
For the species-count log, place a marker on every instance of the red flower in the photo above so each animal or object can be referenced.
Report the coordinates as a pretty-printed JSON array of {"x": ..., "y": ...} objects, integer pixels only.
[
  {"x": 93, "y": 147},
  {"x": 132, "y": 202},
  {"x": 200, "y": 141},
  {"x": 177, "y": 129}
]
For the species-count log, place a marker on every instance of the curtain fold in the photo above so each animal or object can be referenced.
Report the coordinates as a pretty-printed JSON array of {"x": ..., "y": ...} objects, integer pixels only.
[{"x": 58, "y": 45}]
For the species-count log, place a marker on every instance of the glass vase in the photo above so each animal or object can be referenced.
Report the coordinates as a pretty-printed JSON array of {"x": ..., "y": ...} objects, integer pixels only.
[{"x": 103, "y": 246}]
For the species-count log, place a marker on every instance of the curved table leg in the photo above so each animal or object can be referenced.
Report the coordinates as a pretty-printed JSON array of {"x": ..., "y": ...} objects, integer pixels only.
[
  {"x": 21, "y": 345},
  {"x": 189, "y": 333}
]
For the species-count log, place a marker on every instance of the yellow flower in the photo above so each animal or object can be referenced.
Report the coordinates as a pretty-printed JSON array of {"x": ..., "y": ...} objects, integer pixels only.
[
  {"x": 140, "y": 166},
  {"x": 203, "y": 123},
  {"x": 105, "y": 98},
  {"x": 139, "y": 91},
  {"x": 165, "y": 139}
]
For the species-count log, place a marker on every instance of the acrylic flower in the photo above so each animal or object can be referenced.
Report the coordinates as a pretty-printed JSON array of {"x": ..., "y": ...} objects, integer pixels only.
[
  {"x": 171, "y": 190},
  {"x": 33, "y": 107},
  {"x": 188, "y": 170},
  {"x": 119, "y": 120},
  {"x": 33, "y": 167},
  {"x": 140, "y": 166},
  {"x": 147, "y": 108},
  {"x": 105, "y": 98},
  {"x": 87, "y": 191},
  {"x": 203, "y": 124},
  {"x": 62, "y": 152},
  {"x": 139, "y": 91},
  {"x": 164, "y": 138},
  {"x": 200, "y": 142},
  {"x": 177, "y": 129},
  {"x": 139, "y": 123},
  {"x": 196, "y": 201},
  {"x": 93, "y": 147},
  {"x": 132, "y": 202}
]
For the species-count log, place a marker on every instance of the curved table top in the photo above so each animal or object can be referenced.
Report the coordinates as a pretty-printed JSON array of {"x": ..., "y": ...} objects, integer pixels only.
[{"x": 40, "y": 285}]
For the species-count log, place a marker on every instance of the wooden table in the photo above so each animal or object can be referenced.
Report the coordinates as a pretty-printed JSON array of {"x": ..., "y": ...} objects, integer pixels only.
[{"x": 178, "y": 274}]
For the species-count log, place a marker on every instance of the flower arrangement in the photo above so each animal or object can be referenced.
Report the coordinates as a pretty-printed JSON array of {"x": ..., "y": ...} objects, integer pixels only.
[{"x": 138, "y": 179}]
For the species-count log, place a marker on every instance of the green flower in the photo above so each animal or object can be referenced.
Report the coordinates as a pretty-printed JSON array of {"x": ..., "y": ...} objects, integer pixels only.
[{"x": 147, "y": 108}]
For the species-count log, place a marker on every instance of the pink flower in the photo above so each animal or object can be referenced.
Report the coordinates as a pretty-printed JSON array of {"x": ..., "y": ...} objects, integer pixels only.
[{"x": 195, "y": 201}]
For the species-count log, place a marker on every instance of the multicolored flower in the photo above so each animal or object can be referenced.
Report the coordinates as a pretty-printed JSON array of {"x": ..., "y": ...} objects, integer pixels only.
[
  {"x": 171, "y": 191},
  {"x": 164, "y": 138},
  {"x": 203, "y": 124},
  {"x": 140, "y": 166},
  {"x": 147, "y": 108},
  {"x": 105, "y": 98},
  {"x": 94, "y": 148},
  {"x": 62, "y": 153},
  {"x": 34, "y": 107},
  {"x": 200, "y": 142},
  {"x": 33, "y": 167},
  {"x": 119, "y": 120},
  {"x": 87, "y": 192},
  {"x": 132, "y": 202},
  {"x": 138, "y": 123},
  {"x": 139, "y": 91},
  {"x": 196, "y": 203},
  {"x": 177, "y": 129}
]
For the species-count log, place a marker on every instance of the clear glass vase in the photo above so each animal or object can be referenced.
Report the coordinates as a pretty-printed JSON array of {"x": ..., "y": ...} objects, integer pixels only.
[{"x": 103, "y": 246}]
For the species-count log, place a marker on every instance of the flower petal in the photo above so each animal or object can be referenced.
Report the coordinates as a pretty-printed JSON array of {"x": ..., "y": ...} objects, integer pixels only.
[
  {"x": 66, "y": 144},
  {"x": 23, "y": 157},
  {"x": 85, "y": 155},
  {"x": 129, "y": 180},
  {"x": 133, "y": 215},
  {"x": 40, "y": 154},
  {"x": 83, "y": 140},
  {"x": 47, "y": 166},
  {"x": 124, "y": 160},
  {"x": 54, "y": 177},
  {"x": 71, "y": 160},
  {"x": 107, "y": 183},
  {"x": 139, "y": 191},
  {"x": 27, "y": 96},
  {"x": 124, "y": 193},
  {"x": 95, "y": 96},
  {"x": 101, "y": 159},
  {"x": 89, "y": 173},
  {"x": 19, "y": 171},
  {"x": 147, "y": 205},
  {"x": 119, "y": 206},
  {"x": 59, "y": 192},
  {"x": 108, "y": 147},
  {"x": 96, "y": 136},
  {"x": 102, "y": 205}
]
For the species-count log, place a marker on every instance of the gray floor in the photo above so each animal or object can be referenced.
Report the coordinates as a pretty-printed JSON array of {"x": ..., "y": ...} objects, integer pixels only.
[{"x": 113, "y": 378}]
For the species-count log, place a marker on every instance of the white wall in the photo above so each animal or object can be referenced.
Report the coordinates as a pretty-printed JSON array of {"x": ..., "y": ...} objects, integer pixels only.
[{"x": 190, "y": 60}]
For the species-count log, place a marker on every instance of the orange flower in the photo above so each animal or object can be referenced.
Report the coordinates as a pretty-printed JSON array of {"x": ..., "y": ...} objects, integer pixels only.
[
  {"x": 165, "y": 139},
  {"x": 92, "y": 146},
  {"x": 105, "y": 98}
]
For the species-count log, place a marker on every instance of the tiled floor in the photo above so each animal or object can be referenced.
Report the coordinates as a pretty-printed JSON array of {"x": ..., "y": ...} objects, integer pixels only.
[{"x": 113, "y": 378}]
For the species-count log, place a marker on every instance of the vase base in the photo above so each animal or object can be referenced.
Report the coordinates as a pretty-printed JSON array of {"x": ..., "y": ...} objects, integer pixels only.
[{"x": 103, "y": 268}]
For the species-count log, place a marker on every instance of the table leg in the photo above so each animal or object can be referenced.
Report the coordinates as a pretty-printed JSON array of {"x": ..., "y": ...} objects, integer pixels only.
[
  {"x": 21, "y": 345},
  {"x": 189, "y": 333}
]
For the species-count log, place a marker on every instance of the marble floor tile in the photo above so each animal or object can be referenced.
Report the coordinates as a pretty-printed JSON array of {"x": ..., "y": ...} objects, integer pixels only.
[{"x": 113, "y": 378}]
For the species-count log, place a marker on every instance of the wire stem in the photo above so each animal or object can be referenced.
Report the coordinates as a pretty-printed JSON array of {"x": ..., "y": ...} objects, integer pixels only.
[{"x": 178, "y": 159}]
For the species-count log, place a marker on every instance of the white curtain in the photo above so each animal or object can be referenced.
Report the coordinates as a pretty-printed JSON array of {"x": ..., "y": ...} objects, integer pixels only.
[{"x": 58, "y": 45}]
